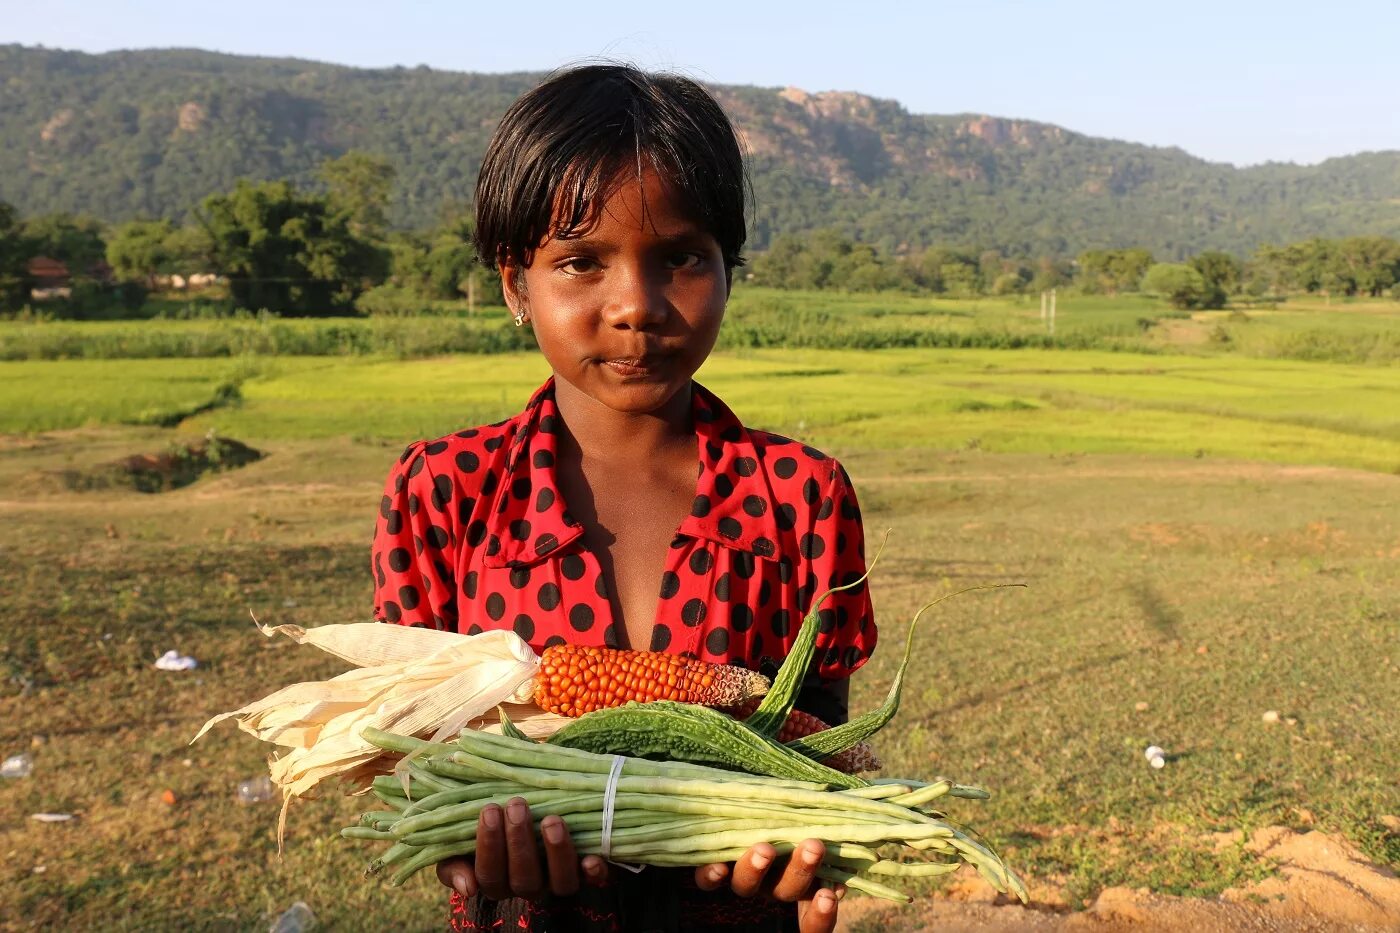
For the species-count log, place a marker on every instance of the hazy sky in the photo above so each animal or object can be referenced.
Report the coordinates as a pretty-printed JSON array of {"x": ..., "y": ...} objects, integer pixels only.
[{"x": 1231, "y": 80}]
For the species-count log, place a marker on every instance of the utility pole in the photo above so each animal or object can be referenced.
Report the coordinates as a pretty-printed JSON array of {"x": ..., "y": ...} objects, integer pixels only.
[{"x": 1052, "y": 312}]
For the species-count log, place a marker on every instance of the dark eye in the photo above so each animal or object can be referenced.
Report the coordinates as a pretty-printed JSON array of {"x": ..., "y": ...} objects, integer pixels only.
[
  {"x": 683, "y": 260},
  {"x": 579, "y": 265}
]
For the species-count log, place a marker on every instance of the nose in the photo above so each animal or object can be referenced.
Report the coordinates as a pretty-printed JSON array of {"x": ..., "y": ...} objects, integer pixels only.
[{"x": 636, "y": 300}]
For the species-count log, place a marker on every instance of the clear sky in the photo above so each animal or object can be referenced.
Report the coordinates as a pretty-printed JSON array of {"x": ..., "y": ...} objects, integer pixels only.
[{"x": 1238, "y": 81}]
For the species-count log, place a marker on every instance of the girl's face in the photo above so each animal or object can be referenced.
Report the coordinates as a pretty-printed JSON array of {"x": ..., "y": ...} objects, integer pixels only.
[{"x": 627, "y": 312}]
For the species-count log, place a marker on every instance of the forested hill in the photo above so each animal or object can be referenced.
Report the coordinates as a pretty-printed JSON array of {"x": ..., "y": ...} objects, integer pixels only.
[{"x": 150, "y": 133}]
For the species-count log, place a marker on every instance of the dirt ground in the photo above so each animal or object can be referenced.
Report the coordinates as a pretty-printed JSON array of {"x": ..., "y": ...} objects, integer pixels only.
[{"x": 1323, "y": 885}]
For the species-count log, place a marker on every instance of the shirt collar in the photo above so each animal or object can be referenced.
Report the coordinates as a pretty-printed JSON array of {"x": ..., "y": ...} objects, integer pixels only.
[{"x": 529, "y": 520}]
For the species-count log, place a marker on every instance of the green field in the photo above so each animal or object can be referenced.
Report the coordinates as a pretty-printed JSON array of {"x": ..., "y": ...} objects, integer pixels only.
[{"x": 1206, "y": 536}]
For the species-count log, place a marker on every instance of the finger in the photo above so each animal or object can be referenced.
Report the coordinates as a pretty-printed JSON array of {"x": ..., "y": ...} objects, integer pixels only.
[
  {"x": 595, "y": 870},
  {"x": 457, "y": 874},
  {"x": 559, "y": 856},
  {"x": 522, "y": 854},
  {"x": 801, "y": 872},
  {"x": 490, "y": 864},
  {"x": 711, "y": 877},
  {"x": 749, "y": 871},
  {"x": 819, "y": 914}
]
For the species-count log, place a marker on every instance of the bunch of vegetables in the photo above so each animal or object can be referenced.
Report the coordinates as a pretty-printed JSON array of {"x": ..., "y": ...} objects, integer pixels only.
[{"x": 671, "y": 783}]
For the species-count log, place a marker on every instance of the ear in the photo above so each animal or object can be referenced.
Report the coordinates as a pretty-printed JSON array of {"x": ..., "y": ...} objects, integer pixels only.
[{"x": 513, "y": 287}]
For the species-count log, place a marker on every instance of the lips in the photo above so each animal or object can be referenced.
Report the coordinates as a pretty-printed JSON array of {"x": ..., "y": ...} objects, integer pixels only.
[{"x": 634, "y": 365}]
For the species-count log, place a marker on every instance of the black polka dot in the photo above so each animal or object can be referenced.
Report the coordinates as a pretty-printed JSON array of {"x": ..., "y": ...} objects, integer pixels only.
[
  {"x": 399, "y": 482},
  {"x": 548, "y": 424},
  {"x": 545, "y": 544},
  {"x": 392, "y": 612},
  {"x": 851, "y": 656},
  {"x": 379, "y": 569},
  {"x": 493, "y": 546},
  {"x": 542, "y": 459},
  {"x": 811, "y": 492},
  {"x": 476, "y": 533},
  {"x": 437, "y": 537},
  {"x": 465, "y": 507},
  {"x": 468, "y": 462},
  {"x": 407, "y": 452},
  {"x": 549, "y": 597},
  {"x": 705, "y": 415},
  {"x": 755, "y": 505},
  {"x": 418, "y": 544},
  {"x": 763, "y": 547},
  {"x": 544, "y": 499},
  {"x": 805, "y": 592},
  {"x": 394, "y": 523},
  {"x": 724, "y": 485},
  {"x": 435, "y": 448},
  {"x": 826, "y": 621},
  {"x": 444, "y": 572},
  {"x": 400, "y": 559},
  {"x": 442, "y": 492},
  {"x": 714, "y": 450},
  {"x": 468, "y": 434},
  {"x": 853, "y": 577},
  {"x": 782, "y": 622},
  {"x": 520, "y": 529},
  {"x": 524, "y": 626},
  {"x": 813, "y": 452},
  {"x": 415, "y": 467},
  {"x": 600, "y": 586},
  {"x": 475, "y": 629},
  {"x": 572, "y": 567},
  {"x": 670, "y": 585},
  {"x": 581, "y": 617},
  {"x": 746, "y": 466},
  {"x": 786, "y": 516},
  {"x": 693, "y": 612},
  {"x": 469, "y": 583},
  {"x": 408, "y": 597},
  {"x": 520, "y": 577},
  {"x": 756, "y": 645},
  {"x": 731, "y": 434},
  {"x": 495, "y": 606},
  {"x": 850, "y": 510},
  {"x": 832, "y": 656},
  {"x": 765, "y": 592},
  {"x": 701, "y": 561},
  {"x": 494, "y": 443},
  {"x": 414, "y": 504},
  {"x": 826, "y": 509},
  {"x": 489, "y": 482},
  {"x": 717, "y": 642},
  {"x": 785, "y": 468},
  {"x": 553, "y": 640},
  {"x": 841, "y": 542},
  {"x": 740, "y": 618},
  {"x": 660, "y": 638},
  {"x": 743, "y": 564},
  {"x": 700, "y": 507},
  {"x": 385, "y": 504},
  {"x": 722, "y": 586},
  {"x": 812, "y": 546},
  {"x": 730, "y": 528},
  {"x": 520, "y": 488}
]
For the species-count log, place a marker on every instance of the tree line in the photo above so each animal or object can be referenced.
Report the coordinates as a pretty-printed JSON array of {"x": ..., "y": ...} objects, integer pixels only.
[
  {"x": 1354, "y": 266},
  {"x": 330, "y": 250},
  {"x": 278, "y": 247}
]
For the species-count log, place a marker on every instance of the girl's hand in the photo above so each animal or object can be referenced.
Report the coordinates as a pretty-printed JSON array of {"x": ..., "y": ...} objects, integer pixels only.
[
  {"x": 816, "y": 906},
  {"x": 508, "y": 864}
]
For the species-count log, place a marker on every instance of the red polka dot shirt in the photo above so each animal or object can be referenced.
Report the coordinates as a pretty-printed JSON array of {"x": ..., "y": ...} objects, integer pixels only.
[{"x": 473, "y": 534}]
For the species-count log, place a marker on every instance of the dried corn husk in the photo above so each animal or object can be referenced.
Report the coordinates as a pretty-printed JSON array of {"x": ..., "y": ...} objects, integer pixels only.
[{"x": 411, "y": 681}]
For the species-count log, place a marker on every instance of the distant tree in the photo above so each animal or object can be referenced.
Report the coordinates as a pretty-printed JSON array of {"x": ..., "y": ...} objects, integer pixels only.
[
  {"x": 360, "y": 185},
  {"x": 439, "y": 264},
  {"x": 73, "y": 240},
  {"x": 288, "y": 251},
  {"x": 1111, "y": 271},
  {"x": 189, "y": 250},
  {"x": 1221, "y": 273},
  {"x": 15, "y": 252},
  {"x": 137, "y": 251},
  {"x": 1180, "y": 284}
]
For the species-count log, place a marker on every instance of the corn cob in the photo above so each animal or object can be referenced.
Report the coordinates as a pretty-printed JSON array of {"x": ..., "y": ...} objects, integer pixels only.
[
  {"x": 859, "y": 757},
  {"x": 574, "y": 680}
]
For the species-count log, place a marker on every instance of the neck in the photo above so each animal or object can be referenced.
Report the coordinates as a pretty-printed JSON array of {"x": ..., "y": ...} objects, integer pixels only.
[{"x": 604, "y": 435}]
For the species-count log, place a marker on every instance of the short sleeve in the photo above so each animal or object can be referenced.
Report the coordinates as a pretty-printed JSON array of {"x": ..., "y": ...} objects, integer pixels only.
[
  {"x": 835, "y": 546},
  {"x": 412, "y": 566}
]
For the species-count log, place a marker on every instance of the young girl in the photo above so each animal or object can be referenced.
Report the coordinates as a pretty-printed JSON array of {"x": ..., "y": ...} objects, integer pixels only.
[{"x": 612, "y": 201}]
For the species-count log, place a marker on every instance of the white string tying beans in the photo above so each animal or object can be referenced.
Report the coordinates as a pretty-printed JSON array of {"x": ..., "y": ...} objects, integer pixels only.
[{"x": 609, "y": 798}]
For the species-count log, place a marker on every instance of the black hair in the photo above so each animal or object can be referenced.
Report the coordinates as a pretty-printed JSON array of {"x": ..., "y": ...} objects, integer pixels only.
[{"x": 561, "y": 145}]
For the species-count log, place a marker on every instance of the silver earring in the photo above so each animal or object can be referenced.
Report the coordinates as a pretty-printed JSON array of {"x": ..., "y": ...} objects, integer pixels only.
[{"x": 520, "y": 317}]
